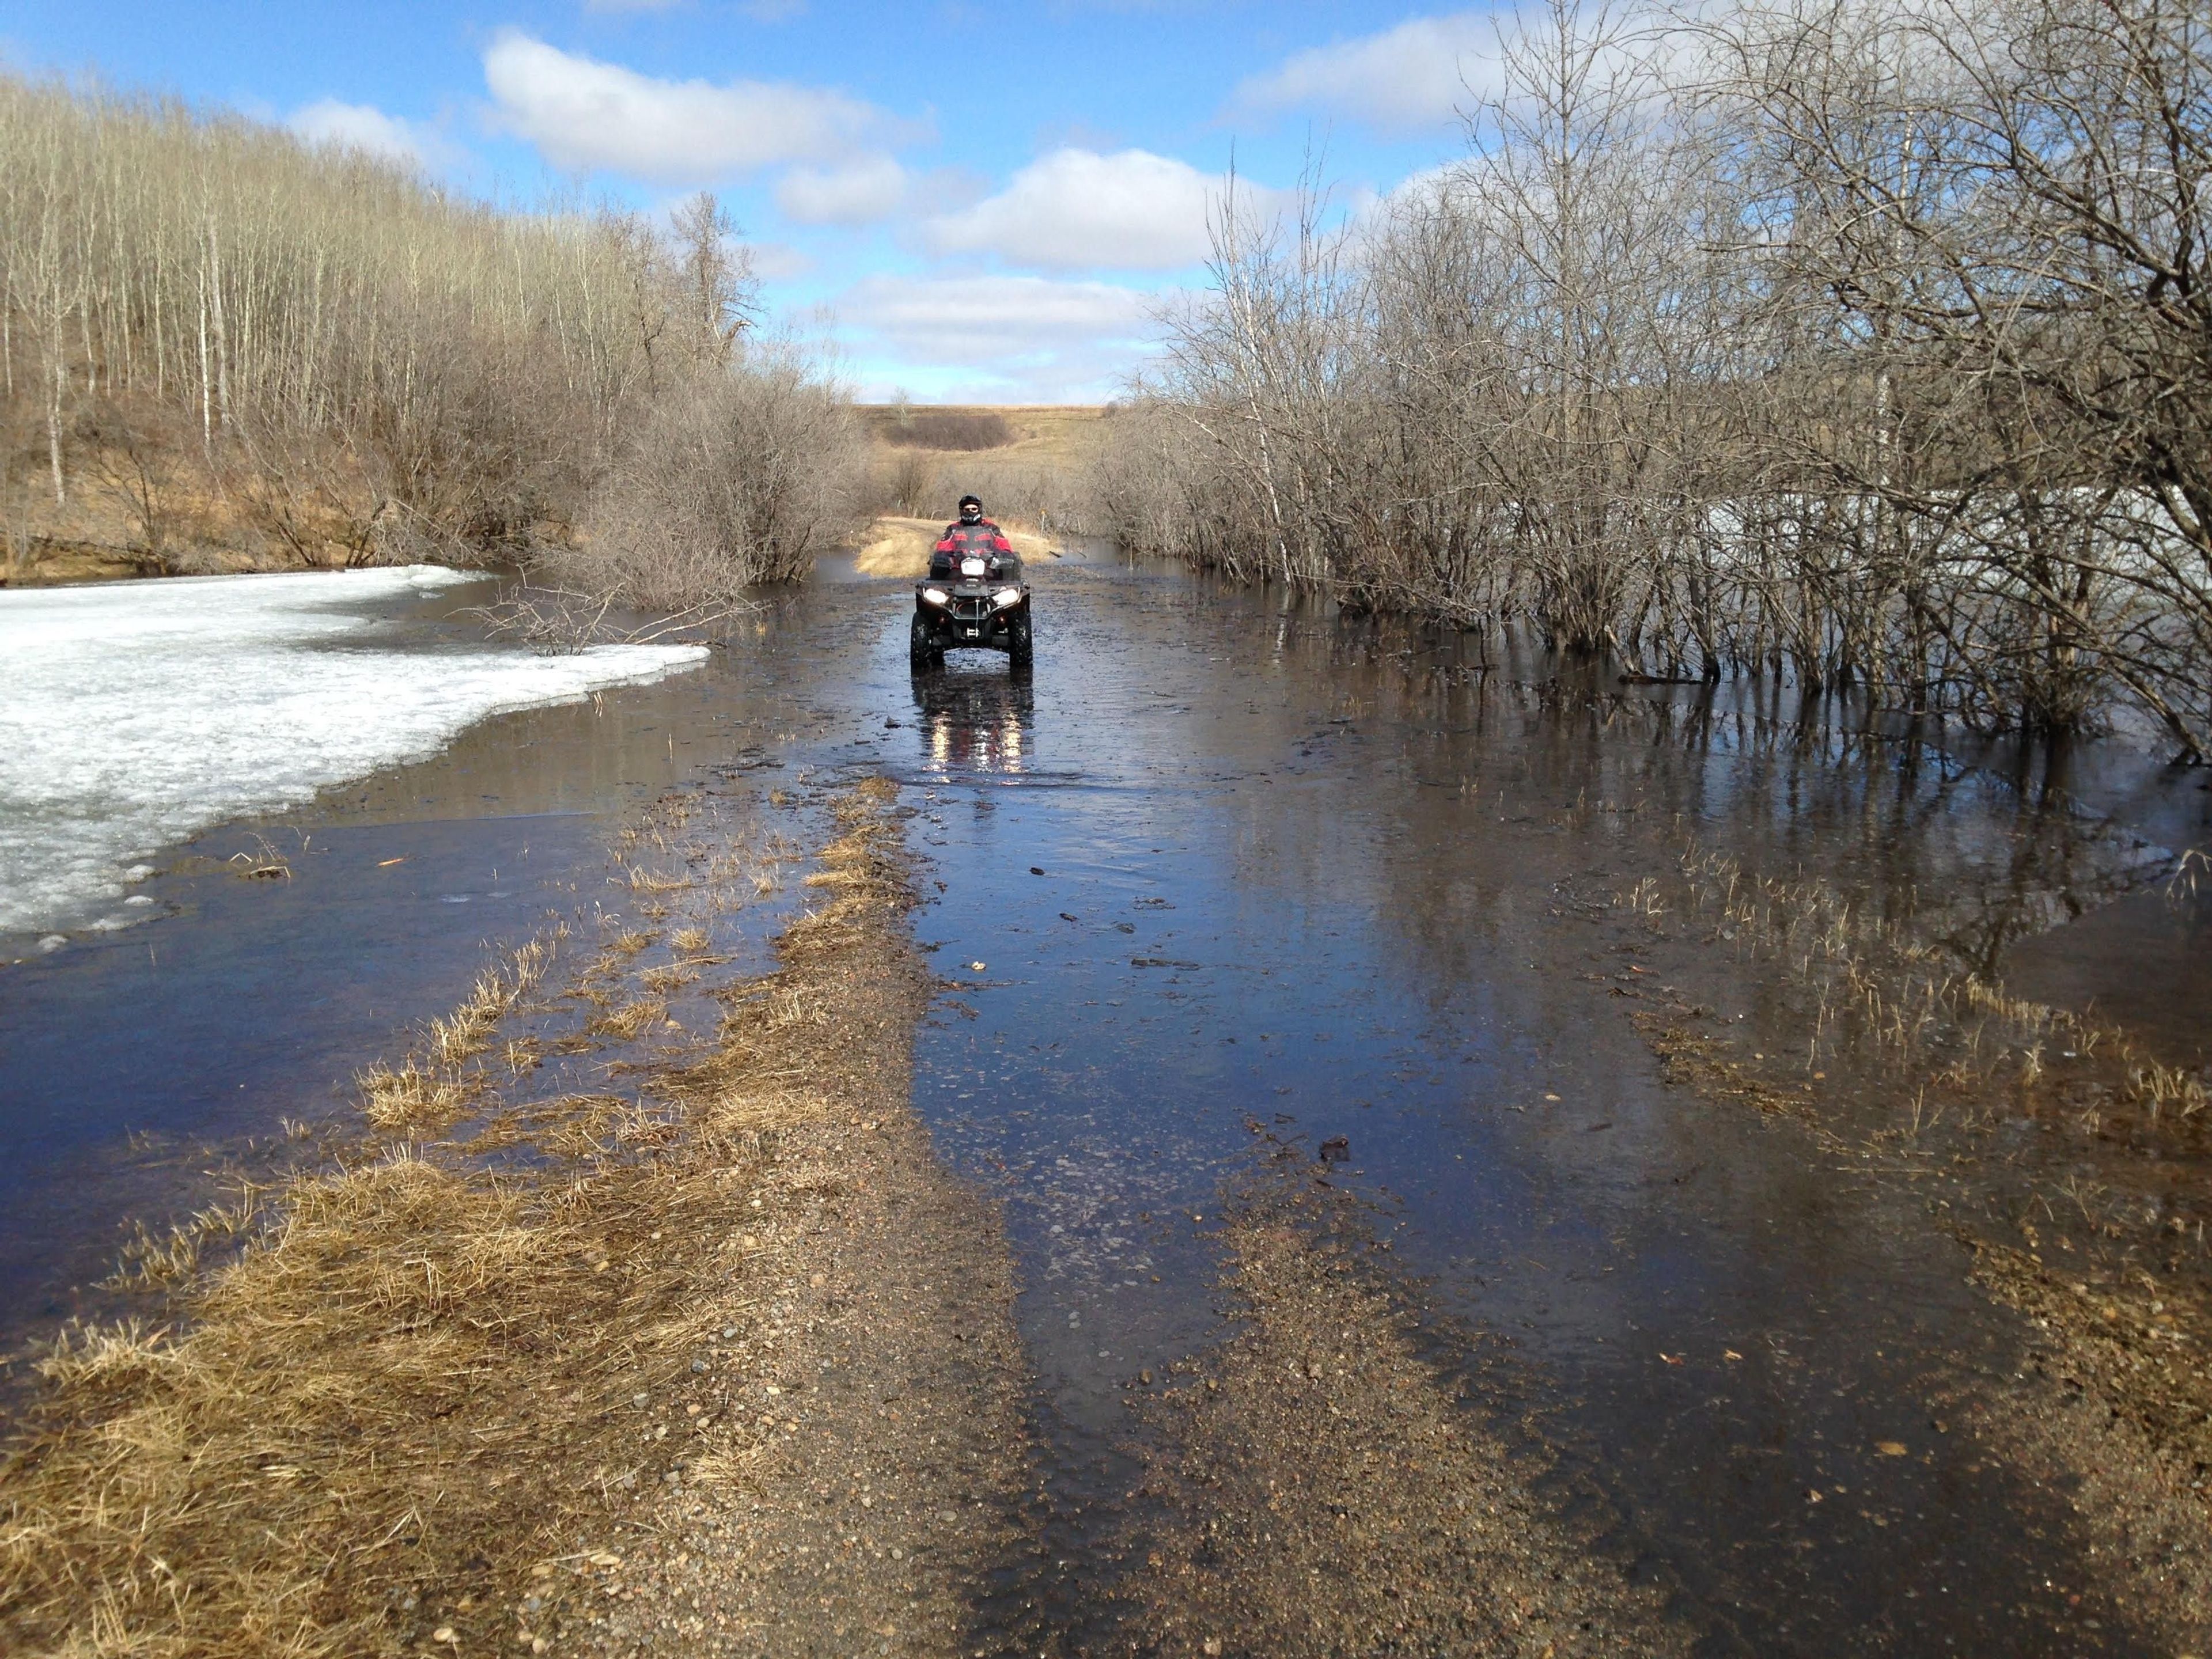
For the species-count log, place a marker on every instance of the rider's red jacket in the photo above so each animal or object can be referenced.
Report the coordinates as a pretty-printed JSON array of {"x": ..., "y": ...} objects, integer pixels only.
[{"x": 981, "y": 536}]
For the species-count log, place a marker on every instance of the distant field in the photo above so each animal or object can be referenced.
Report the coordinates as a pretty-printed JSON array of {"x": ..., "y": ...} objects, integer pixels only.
[
  {"x": 1032, "y": 463},
  {"x": 1036, "y": 432}
]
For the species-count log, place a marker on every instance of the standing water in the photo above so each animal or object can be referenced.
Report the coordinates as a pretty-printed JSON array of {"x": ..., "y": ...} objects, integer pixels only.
[{"x": 1227, "y": 883}]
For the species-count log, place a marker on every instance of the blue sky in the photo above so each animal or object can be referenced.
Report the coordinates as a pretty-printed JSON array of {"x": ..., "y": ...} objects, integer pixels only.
[{"x": 976, "y": 203}]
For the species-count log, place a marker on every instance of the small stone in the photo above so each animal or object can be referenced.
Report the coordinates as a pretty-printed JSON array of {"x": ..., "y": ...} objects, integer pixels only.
[
  {"x": 975, "y": 967},
  {"x": 698, "y": 1366},
  {"x": 444, "y": 1633},
  {"x": 729, "y": 1333},
  {"x": 641, "y": 1400}
]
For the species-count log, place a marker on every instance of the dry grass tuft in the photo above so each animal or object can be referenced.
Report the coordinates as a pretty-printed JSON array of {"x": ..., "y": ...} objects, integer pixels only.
[
  {"x": 435, "y": 1085},
  {"x": 417, "y": 1381},
  {"x": 630, "y": 1019}
]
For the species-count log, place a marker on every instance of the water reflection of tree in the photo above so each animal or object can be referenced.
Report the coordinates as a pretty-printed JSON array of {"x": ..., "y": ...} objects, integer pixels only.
[{"x": 1542, "y": 771}]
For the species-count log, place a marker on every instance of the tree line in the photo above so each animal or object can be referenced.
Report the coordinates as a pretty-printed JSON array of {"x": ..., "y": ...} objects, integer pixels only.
[
  {"x": 1867, "y": 343},
  {"x": 366, "y": 366}
]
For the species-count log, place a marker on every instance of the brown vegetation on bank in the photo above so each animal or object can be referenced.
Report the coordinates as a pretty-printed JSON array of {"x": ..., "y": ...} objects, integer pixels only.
[
  {"x": 447, "y": 1390},
  {"x": 1862, "y": 344},
  {"x": 225, "y": 348}
]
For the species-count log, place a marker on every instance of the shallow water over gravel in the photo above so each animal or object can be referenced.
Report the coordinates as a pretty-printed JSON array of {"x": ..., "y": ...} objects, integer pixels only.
[{"x": 1228, "y": 876}]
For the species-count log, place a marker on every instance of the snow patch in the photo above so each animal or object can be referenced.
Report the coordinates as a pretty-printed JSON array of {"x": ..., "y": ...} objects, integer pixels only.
[{"x": 138, "y": 714}]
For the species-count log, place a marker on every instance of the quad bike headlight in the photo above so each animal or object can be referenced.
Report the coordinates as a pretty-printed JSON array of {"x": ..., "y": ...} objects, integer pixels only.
[
  {"x": 936, "y": 595},
  {"x": 1006, "y": 596}
]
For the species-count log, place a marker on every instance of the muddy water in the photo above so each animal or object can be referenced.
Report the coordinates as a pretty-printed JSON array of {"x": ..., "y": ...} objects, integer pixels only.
[{"x": 1226, "y": 877}]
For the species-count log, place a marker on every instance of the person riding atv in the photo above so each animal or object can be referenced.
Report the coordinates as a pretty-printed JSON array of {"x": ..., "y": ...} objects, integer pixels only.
[
  {"x": 971, "y": 532},
  {"x": 974, "y": 595}
]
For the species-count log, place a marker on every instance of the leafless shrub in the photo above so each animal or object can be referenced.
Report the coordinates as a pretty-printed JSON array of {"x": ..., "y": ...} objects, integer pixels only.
[
  {"x": 908, "y": 487},
  {"x": 555, "y": 622},
  {"x": 742, "y": 475},
  {"x": 130, "y": 459},
  {"x": 1864, "y": 344}
]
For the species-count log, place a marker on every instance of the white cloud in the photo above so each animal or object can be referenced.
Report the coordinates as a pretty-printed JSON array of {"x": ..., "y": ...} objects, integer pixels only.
[
  {"x": 977, "y": 321},
  {"x": 1075, "y": 209},
  {"x": 1418, "y": 74},
  {"x": 362, "y": 127},
  {"x": 779, "y": 262},
  {"x": 858, "y": 193},
  {"x": 585, "y": 114}
]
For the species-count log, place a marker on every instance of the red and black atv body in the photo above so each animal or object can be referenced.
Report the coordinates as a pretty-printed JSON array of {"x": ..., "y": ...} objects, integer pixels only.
[{"x": 972, "y": 600}]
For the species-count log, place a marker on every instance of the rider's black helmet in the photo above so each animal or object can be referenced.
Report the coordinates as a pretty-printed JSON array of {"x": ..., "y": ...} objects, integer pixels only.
[{"x": 970, "y": 507}]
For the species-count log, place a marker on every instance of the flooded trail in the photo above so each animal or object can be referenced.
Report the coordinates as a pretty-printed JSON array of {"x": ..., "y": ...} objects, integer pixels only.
[
  {"x": 1308, "y": 1011},
  {"x": 1239, "y": 883}
]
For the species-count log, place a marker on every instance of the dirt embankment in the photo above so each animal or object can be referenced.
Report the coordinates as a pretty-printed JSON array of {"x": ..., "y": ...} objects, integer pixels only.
[{"x": 722, "y": 1362}]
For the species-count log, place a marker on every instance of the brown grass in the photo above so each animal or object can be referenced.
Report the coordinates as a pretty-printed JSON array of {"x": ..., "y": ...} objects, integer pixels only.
[
  {"x": 962, "y": 429},
  {"x": 416, "y": 1383},
  {"x": 436, "y": 1082},
  {"x": 900, "y": 547},
  {"x": 1887, "y": 994},
  {"x": 1038, "y": 480}
]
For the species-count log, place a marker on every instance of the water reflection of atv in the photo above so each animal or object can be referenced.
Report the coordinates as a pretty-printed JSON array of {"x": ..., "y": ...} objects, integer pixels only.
[
  {"x": 975, "y": 722},
  {"x": 974, "y": 600}
]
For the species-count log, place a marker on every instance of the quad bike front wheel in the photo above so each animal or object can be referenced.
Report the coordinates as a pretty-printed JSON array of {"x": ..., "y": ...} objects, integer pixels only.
[
  {"x": 1021, "y": 644},
  {"x": 922, "y": 650}
]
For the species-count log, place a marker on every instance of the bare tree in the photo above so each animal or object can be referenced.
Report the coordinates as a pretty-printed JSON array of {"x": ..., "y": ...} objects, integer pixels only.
[{"x": 1860, "y": 341}]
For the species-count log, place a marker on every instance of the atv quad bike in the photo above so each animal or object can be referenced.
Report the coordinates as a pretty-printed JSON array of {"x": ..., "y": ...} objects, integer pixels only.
[{"x": 972, "y": 601}]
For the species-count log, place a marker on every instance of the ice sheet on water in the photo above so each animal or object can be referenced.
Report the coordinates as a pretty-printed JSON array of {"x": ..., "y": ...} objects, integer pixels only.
[{"x": 135, "y": 714}]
